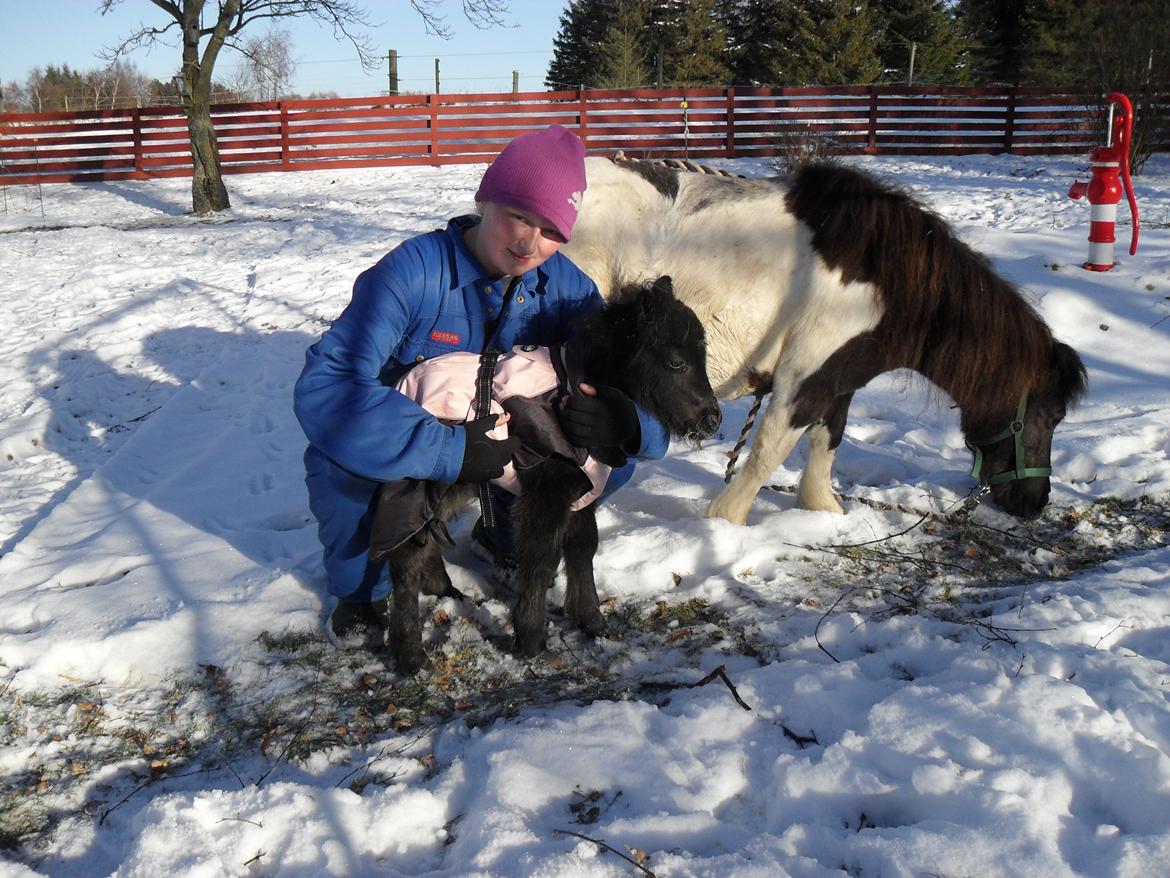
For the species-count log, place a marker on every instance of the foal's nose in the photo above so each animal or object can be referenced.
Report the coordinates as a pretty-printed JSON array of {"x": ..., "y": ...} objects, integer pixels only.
[{"x": 712, "y": 418}]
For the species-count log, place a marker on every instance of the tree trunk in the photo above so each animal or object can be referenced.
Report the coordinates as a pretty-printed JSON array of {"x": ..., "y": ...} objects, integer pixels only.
[{"x": 208, "y": 194}]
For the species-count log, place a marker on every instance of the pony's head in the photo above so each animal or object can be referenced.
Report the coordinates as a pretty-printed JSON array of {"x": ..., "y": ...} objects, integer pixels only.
[
  {"x": 1015, "y": 462},
  {"x": 653, "y": 347}
]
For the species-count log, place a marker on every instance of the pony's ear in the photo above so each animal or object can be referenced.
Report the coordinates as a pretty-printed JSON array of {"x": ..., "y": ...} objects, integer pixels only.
[{"x": 1068, "y": 373}]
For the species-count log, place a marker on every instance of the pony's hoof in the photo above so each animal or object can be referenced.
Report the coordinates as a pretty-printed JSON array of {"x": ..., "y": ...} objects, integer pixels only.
[
  {"x": 721, "y": 508},
  {"x": 820, "y": 504}
]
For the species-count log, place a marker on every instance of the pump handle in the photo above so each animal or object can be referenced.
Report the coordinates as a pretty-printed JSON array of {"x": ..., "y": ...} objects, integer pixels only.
[{"x": 1122, "y": 136}]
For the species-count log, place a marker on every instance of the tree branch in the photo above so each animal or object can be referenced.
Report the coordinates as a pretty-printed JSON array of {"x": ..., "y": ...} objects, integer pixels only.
[{"x": 485, "y": 14}]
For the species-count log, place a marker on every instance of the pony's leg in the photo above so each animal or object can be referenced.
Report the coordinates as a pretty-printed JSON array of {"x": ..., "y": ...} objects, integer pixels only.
[
  {"x": 816, "y": 491},
  {"x": 581, "y": 604},
  {"x": 541, "y": 520},
  {"x": 774, "y": 440},
  {"x": 409, "y": 564}
]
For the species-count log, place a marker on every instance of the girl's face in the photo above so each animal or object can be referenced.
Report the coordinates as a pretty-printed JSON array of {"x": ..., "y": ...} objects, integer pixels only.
[{"x": 510, "y": 241}]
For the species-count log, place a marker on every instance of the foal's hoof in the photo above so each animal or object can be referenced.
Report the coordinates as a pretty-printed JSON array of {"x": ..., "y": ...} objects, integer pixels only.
[
  {"x": 592, "y": 624},
  {"x": 410, "y": 660},
  {"x": 530, "y": 646},
  {"x": 452, "y": 592},
  {"x": 438, "y": 583}
]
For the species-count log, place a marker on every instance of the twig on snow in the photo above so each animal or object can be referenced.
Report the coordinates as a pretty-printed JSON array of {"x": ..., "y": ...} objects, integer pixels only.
[
  {"x": 239, "y": 819},
  {"x": 383, "y": 754},
  {"x": 801, "y": 741},
  {"x": 719, "y": 673},
  {"x": 150, "y": 780},
  {"x": 821, "y": 621},
  {"x": 601, "y": 844},
  {"x": 8, "y": 682},
  {"x": 294, "y": 738},
  {"x": 1109, "y": 633}
]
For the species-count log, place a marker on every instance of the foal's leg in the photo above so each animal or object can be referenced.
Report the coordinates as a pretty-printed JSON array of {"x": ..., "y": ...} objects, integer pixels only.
[
  {"x": 581, "y": 603},
  {"x": 435, "y": 580},
  {"x": 410, "y": 564},
  {"x": 816, "y": 491},
  {"x": 774, "y": 440},
  {"x": 541, "y": 518}
]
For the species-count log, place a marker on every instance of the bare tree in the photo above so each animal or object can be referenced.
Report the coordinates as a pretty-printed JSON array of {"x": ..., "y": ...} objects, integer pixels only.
[
  {"x": 205, "y": 28},
  {"x": 268, "y": 69}
]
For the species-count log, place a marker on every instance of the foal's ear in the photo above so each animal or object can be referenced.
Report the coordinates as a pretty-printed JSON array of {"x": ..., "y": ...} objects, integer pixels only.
[
  {"x": 664, "y": 286},
  {"x": 653, "y": 300}
]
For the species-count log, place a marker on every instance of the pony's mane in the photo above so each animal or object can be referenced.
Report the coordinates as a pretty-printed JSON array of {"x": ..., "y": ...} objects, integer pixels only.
[
  {"x": 947, "y": 314},
  {"x": 620, "y": 158}
]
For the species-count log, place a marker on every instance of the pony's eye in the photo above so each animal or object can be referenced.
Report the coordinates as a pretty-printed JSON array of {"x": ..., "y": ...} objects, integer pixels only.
[{"x": 676, "y": 365}]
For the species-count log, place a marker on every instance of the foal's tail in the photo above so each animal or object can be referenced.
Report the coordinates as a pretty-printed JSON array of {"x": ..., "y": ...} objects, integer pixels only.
[{"x": 946, "y": 313}]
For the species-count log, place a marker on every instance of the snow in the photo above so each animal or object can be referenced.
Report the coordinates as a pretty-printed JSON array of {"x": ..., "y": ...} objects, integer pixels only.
[{"x": 986, "y": 700}]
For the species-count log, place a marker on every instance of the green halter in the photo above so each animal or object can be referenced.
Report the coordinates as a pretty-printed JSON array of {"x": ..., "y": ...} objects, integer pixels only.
[{"x": 1020, "y": 472}]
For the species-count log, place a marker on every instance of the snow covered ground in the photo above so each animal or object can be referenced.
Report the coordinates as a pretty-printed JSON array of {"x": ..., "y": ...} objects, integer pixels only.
[{"x": 979, "y": 700}]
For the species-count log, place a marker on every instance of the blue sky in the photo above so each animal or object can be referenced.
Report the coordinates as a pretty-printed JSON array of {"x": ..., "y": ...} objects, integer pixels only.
[{"x": 472, "y": 60}]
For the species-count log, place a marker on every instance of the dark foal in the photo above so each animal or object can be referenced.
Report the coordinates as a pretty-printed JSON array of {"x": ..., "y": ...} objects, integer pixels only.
[{"x": 650, "y": 346}]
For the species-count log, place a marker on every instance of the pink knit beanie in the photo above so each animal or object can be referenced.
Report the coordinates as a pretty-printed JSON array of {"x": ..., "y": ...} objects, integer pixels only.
[{"x": 543, "y": 172}]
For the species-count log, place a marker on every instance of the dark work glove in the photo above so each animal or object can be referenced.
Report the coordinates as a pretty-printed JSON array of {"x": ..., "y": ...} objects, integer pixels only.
[
  {"x": 607, "y": 424},
  {"x": 484, "y": 458}
]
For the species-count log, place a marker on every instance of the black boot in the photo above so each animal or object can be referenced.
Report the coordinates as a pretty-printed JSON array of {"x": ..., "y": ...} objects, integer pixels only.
[{"x": 360, "y": 623}]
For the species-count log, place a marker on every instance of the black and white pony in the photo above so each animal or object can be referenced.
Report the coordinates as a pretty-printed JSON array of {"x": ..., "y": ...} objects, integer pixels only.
[
  {"x": 652, "y": 347},
  {"x": 811, "y": 286}
]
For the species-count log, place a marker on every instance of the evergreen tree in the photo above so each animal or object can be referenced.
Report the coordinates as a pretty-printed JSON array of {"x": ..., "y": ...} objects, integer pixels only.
[
  {"x": 760, "y": 39},
  {"x": 930, "y": 27},
  {"x": 838, "y": 45},
  {"x": 577, "y": 46},
  {"x": 622, "y": 54},
  {"x": 694, "y": 54},
  {"x": 1056, "y": 52},
  {"x": 56, "y": 88},
  {"x": 1000, "y": 33}
]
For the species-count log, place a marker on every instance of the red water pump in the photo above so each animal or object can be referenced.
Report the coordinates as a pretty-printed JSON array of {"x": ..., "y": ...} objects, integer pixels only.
[{"x": 1104, "y": 186}]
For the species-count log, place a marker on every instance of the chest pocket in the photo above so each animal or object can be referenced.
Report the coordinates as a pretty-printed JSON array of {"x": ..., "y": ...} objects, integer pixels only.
[{"x": 426, "y": 339}]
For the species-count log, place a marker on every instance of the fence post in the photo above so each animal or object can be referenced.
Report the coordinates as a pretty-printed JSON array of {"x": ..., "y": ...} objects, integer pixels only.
[
  {"x": 581, "y": 120},
  {"x": 1010, "y": 121},
  {"x": 871, "y": 145},
  {"x": 285, "y": 158},
  {"x": 730, "y": 91},
  {"x": 136, "y": 123},
  {"x": 433, "y": 122}
]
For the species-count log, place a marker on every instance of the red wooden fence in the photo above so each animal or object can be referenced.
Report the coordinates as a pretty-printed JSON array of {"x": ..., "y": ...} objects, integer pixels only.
[{"x": 443, "y": 129}]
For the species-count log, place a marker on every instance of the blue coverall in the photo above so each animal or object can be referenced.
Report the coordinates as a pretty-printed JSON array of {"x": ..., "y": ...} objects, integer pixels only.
[{"x": 428, "y": 296}]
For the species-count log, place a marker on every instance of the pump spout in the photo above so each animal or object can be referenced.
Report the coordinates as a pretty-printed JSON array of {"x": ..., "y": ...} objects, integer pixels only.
[{"x": 1077, "y": 190}]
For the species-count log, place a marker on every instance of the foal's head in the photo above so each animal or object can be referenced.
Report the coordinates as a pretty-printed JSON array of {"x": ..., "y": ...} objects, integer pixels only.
[
  {"x": 1015, "y": 461},
  {"x": 653, "y": 347}
]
